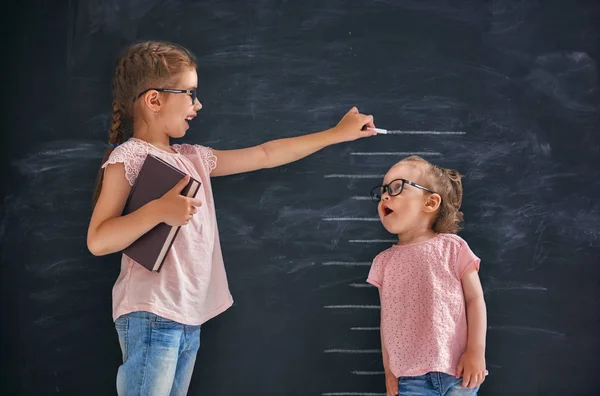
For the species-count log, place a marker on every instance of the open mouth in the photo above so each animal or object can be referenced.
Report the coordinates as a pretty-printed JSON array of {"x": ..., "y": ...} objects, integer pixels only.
[{"x": 387, "y": 211}]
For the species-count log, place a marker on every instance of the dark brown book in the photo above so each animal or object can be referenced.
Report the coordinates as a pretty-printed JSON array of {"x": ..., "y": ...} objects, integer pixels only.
[{"x": 155, "y": 179}]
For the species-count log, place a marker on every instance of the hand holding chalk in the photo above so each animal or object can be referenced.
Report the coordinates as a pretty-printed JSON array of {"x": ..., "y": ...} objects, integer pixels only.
[
  {"x": 376, "y": 130},
  {"x": 354, "y": 125},
  {"x": 379, "y": 130}
]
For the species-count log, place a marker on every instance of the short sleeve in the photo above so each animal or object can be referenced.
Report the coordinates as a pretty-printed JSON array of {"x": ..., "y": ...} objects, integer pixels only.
[
  {"x": 376, "y": 273},
  {"x": 132, "y": 155},
  {"x": 207, "y": 158},
  {"x": 466, "y": 260}
]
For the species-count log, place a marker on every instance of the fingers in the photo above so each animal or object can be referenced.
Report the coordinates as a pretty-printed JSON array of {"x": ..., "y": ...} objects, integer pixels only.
[
  {"x": 480, "y": 379},
  {"x": 466, "y": 380},
  {"x": 368, "y": 121},
  {"x": 353, "y": 110},
  {"x": 459, "y": 369}
]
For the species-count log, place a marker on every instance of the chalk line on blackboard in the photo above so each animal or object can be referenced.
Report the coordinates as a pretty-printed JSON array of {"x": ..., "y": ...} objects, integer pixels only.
[
  {"x": 341, "y": 176},
  {"x": 352, "y": 351},
  {"x": 397, "y": 153},
  {"x": 352, "y": 306},
  {"x": 356, "y": 372},
  {"x": 527, "y": 329},
  {"x": 492, "y": 288},
  {"x": 360, "y": 285},
  {"x": 399, "y": 132},
  {"x": 365, "y": 328},
  {"x": 361, "y": 198},
  {"x": 350, "y": 219},
  {"x": 373, "y": 240},
  {"x": 348, "y": 263},
  {"x": 352, "y": 394}
]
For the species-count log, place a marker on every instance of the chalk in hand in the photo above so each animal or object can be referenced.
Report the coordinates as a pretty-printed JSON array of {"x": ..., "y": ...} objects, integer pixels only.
[{"x": 378, "y": 130}]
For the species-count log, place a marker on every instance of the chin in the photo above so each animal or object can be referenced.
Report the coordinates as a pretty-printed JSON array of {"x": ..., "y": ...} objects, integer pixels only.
[{"x": 390, "y": 228}]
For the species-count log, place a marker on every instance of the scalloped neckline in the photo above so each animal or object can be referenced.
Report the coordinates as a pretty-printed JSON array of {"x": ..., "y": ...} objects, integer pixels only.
[{"x": 175, "y": 152}]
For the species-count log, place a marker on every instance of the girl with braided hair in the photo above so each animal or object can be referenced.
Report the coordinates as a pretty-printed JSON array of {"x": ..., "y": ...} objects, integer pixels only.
[
  {"x": 158, "y": 315},
  {"x": 433, "y": 315}
]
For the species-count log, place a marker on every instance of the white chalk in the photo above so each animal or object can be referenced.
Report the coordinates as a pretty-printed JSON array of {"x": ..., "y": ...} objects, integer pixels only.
[{"x": 378, "y": 130}]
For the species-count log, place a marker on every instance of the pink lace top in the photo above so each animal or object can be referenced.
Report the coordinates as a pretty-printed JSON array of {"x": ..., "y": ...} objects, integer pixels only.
[
  {"x": 423, "y": 316},
  {"x": 192, "y": 286}
]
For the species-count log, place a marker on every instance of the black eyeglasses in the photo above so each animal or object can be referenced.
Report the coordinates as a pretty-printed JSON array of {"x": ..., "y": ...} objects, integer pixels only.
[
  {"x": 394, "y": 188},
  {"x": 191, "y": 92}
]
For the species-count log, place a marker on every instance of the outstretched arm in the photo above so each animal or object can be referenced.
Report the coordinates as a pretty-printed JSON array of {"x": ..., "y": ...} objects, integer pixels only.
[{"x": 283, "y": 151}]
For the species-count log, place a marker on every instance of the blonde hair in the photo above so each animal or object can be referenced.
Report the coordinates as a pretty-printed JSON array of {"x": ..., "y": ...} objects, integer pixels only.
[
  {"x": 447, "y": 183},
  {"x": 140, "y": 65}
]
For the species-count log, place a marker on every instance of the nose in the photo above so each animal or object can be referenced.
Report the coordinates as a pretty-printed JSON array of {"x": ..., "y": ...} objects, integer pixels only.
[
  {"x": 385, "y": 196},
  {"x": 197, "y": 105}
]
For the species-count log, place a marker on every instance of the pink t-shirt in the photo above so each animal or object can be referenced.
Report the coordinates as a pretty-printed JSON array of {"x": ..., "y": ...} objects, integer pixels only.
[
  {"x": 192, "y": 286},
  {"x": 423, "y": 317}
]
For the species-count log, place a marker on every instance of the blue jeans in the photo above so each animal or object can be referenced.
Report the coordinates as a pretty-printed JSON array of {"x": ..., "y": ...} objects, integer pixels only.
[
  {"x": 158, "y": 355},
  {"x": 433, "y": 384}
]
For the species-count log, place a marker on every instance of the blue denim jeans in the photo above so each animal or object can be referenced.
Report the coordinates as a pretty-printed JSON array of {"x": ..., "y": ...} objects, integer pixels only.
[
  {"x": 158, "y": 355},
  {"x": 433, "y": 384}
]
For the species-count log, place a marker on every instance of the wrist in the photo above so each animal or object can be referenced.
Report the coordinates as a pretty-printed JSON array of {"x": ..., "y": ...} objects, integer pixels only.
[
  {"x": 476, "y": 349},
  {"x": 154, "y": 210},
  {"x": 334, "y": 136}
]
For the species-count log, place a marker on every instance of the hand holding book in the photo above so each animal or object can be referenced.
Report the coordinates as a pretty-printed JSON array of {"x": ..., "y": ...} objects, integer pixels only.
[
  {"x": 174, "y": 193},
  {"x": 178, "y": 209}
]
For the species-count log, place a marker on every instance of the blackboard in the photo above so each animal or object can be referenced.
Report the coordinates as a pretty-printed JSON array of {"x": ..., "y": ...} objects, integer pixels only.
[{"x": 514, "y": 84}]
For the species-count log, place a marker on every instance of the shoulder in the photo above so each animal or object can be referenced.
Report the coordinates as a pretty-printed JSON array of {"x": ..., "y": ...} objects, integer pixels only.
[
  {"x": 449, "y": 245},
  {"x": 384, "y": 256},
  {"x": 451, "y": 241},
  {"x": 131, "y": 149},
  {"x": 131, "y": 154}
]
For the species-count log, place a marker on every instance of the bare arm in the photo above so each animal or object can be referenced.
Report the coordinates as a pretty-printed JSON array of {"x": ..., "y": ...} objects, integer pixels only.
[
  {"x": 472, "y": 364},
  {"x": 476, "y": 313},
  {"x": 110, "y": 232},
  {"x": 283, "y": 151}
]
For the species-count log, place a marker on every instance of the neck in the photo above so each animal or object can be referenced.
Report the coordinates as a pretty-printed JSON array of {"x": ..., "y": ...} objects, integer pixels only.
[
  {"x": 157, "y": 139},
  {"x": 417, "y": 234}
]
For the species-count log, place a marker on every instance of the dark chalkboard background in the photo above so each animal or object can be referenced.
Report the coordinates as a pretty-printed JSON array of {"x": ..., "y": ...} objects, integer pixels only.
[{"x": 520, "y": 78}]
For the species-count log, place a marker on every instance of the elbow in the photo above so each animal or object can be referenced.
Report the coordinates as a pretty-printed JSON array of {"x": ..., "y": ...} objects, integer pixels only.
[
  {"x": 95, "y": 247},
  {"x": 476, "y": 301},
  {"x": 265, "y": 159}
]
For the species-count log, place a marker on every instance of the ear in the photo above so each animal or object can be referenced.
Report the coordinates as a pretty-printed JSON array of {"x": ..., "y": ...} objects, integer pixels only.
[
  {"x": 432, "y": 203},
  {"x": 153, "y": 101}
]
